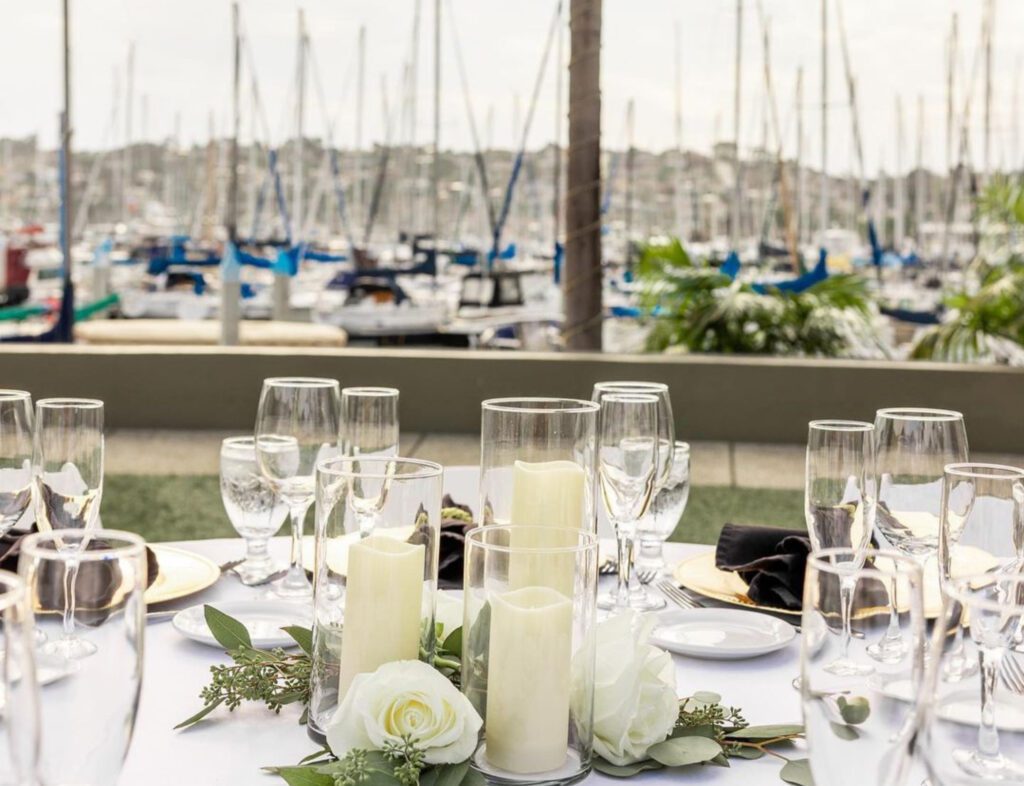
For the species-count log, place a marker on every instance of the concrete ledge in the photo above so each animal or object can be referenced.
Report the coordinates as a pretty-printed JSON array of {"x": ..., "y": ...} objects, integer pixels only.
[{"x": 724, "y": 399}]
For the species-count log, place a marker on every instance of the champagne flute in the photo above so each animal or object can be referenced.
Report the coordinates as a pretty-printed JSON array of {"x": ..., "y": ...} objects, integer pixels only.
[
  {"x": 839, "y": 508},
  {"x": 255, "y": 510},
  {"x": 15, "y": 457},
  {"x": 68, "y": 468},
  {"x": 913, "y": 445},
  {"x": 369, "y": 422},
  {"x": 982, "y": 520},
  {"x": 860, "y": 724},
  {"x": 627, "y": 463},
  {"x": 666, "y": 431},
  {"x": 971, "y": 730},
  {"x": 296, "y": 427}
]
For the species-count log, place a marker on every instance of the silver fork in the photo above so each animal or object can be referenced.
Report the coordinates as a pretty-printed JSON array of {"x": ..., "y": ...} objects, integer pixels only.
[
  {"x": 611, "y": 567},
  {"x": 676, "y": 595}
]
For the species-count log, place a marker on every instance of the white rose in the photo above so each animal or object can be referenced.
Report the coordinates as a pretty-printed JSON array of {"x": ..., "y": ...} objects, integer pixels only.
[
  {"x": 405, "y": 698},
  {"x": 448, "y": 614},
  {"x": 635, "y": 702}
]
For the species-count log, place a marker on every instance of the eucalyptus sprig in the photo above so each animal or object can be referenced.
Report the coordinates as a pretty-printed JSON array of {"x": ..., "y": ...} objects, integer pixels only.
[
  {"x": 273, "y": 677},
  {"x": 708, "y": 732}
]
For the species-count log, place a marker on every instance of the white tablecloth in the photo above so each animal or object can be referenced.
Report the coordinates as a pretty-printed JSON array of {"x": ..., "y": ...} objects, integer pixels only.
[{"x": 229, "y": 749}]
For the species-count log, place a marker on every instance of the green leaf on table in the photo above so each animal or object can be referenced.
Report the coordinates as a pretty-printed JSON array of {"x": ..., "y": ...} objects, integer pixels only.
[
  {"x": 746, "y": 753},
  {"x": 681, "y": 751},
  {"x": 449, "y": 774},
  {"x": 797, "y": 772},
  {"x": 473, "y": 778},
  {"x": 844, "y": 732},
  {"x": 854, "y": 710},
  {"x": 200, "y": 715},
  {"x": 625, "y": 770},
  {"x": 315, "y": 757},
  {"x": 453, "y": 643},
  {"x": 704, "y": 730},
  {"x": 302, "y": 636},
  {"x": 769, "y": 732},
  {"x": 229, "y": 632},
  {"x": 707, "y": 697},
  {"x": 301, "y": 776}
]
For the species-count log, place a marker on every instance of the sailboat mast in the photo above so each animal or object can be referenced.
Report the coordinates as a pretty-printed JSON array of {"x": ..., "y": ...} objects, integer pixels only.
[
  {"x": 300, "y": 111},
  {"x": 129, "y": 102},
  {"x": 899, "y": 181},
  {"x": 230, "y": 289},
  {"x": 360, "y": 199},
  {"x": 678, "y": 180},
  {"x": 823, "y": 220},
  {"x": 951, "y": 55},
  {"x": 556, "y": 164},
  {"x": 435, "y": 169},
  {"x": 630, "y": 167},
  {"x": 413, "y": 154},
  {"x": 920, "y": 198},
  {"x": 990, "y": 10},
  {"x": 801, "y": 173},
  {"x": 66, "y": 322},
  {"x": 734, "y": 227}
]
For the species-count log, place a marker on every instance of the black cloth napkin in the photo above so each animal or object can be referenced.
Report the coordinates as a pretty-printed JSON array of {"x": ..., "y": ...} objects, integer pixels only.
[
  {"x": 771, "y": 560},
  {"x": 456, "y": 521}
]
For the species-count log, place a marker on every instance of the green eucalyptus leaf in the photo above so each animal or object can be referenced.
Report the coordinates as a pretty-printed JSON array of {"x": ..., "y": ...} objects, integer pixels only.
[
  {"x": 302, "y": 636},
  {"x": 746, "y": 753},
  {"x": 625, "y": 770},
  {"x": 767, "y": 732},
  {"x": 681, "y": 751},
  {"x": 704, "y": 730},
  {"x": 229, "y": 632},
  {"x": 200, "y": 715},
  {"x": 453, "y": 643},
  {"x": 302, "y": 776},
  {"x": 474, "y": 778},
  {"x": 854, "y": 710},
  {"x": 450, "y": 774},
  {"x": 429, "y": 777},
  {"x": 844, "y": 732},
  {"x": 706, "y": 697},
  {"x": 797, "y": 772},
  {"x": 721, "y": 760}
]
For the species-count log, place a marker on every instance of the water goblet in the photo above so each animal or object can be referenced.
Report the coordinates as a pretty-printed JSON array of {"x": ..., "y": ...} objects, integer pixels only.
[
  {"x": 667, "y": 509},
  {"x": 369, "y": 422}
]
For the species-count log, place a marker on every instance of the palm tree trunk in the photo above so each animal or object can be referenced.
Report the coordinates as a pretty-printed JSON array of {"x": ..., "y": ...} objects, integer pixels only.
[{"x": 582, "y": 288}]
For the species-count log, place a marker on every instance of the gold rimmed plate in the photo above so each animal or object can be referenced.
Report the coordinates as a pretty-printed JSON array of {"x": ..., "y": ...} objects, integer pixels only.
[
  {"x": 182, "y": 573},
  {"x": 699, "y": 574}
]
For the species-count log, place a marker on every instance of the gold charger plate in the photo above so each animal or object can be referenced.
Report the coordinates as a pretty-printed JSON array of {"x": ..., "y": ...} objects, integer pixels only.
[
  {"x": 699, "y": 574},
  {"x": 181, "y": 573}
]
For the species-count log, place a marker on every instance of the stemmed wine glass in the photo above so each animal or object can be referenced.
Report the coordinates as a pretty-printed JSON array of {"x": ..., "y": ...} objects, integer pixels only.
[
  {"x": 68, "y": 468},
  {"x": 666, "y": 510},
  {"x": 369, "y": 422},
  {"x": 627, "y": 464},
  {"x": 839, "y": 508},
  {"x": 296, "y": 428},
  {"x": 15, "y": 456},
  {"x": 255, "y": 511},
  {"x": 913, "y": 445},
  {"x": 982, "y": 521},
  {"x": 666, "y": 440}
]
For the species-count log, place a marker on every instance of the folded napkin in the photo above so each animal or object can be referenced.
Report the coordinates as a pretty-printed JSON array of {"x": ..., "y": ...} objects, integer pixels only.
[
  {"x": 771, "y": 560},
  {"x": 456, "y": 521},
  {"x": 95, "y": 586}
]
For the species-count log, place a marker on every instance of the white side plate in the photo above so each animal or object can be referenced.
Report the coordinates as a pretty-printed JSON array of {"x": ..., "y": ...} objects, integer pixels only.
[
  {"x": 264, "y": 620},
  {"x": 721, "y": 634}
]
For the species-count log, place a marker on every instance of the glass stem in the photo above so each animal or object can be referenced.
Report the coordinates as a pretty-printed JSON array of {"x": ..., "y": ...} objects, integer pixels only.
[
  {"x": 847, "y": 584},
  {"x": 256, "y": 551},
  {"x": 625, "y": 549},
  {"x": 296, "y": 574},
  {"x": 893, "y": 632},
  {"x": 988, "y": 734},
  {"x": 70, "y": 580}
]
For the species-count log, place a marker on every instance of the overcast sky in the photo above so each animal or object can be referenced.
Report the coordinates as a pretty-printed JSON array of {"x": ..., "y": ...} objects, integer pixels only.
[{"x": 182, "y": 57}]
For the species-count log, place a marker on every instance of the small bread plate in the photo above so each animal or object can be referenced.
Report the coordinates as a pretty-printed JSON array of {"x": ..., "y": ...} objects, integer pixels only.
[
  {"x": 264, "y": 619},
  {"x": 721, "y": 634}
]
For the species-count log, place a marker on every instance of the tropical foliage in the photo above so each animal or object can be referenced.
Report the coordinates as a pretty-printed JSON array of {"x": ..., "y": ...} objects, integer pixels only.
[
  {"x": 985, "y": 320},
  {"x": 701, "y": 309}
]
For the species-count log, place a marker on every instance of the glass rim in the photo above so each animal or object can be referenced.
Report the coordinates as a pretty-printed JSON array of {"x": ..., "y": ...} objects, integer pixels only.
[
  {"x": 531, "y": 405},
  {"x": 928, "y": 414},
  {"x": 131, "y": 544},
  {"x": 605, "y": 387},
  {"x": 852, "y": 426},
  {"x": 11, "y": 394},
  {"x": 634, "y": 398},
  {"x": 301, "y": 382},
  {"x": 69, "y": 403},
  {"x": 475, "y": 535},
  {"x": 12, "y": 589},
  {"x": 963, "y": 590},
  {"x": 983, "y": 470},
  {"x": 379, "y": 392},
  {"x": 334, "y": 467},
  {"x": 680, "y": 445},
  {"x": 817, "y": 560}
]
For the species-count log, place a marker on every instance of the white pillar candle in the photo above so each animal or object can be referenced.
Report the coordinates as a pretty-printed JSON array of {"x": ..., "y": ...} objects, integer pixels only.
[
  {"x": 546, "y": 494},
  {"x": 530, "y": 653},
  {"x": 383, "y": 606}
]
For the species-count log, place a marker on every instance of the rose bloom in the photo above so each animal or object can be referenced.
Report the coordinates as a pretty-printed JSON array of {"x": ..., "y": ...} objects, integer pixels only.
[
  {"x": 405, "y": 698},
  {"x": 635, "y": 702}
]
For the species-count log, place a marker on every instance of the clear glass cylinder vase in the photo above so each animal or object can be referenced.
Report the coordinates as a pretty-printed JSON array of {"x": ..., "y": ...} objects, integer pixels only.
[
  {"x": 378, "y": 523},
  {"x": 528, "y": 650},
  {"x": 19, "y": 697},
  {"x": 538, "y": 462}
]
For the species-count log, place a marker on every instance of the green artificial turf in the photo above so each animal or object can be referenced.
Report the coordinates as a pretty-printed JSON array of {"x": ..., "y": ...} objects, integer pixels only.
[{"x": 188, "y": 508}]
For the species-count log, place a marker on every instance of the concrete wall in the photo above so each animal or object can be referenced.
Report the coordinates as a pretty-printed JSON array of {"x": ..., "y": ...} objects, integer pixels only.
[{"x": 715, "y": 398}]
